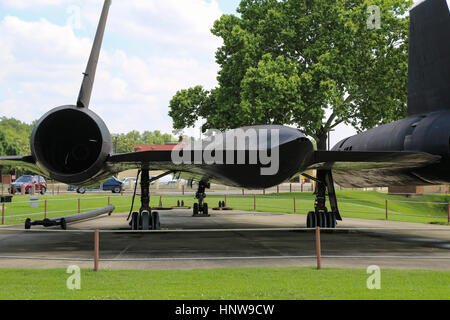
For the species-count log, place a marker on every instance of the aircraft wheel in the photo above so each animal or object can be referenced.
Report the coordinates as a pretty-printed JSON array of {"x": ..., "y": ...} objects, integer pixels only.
[
  {"x": 324, "y": 222},
  {"x": 156, "y": 222},
  {"x": 28, "y": 224},
  {"x": 196, "y": 209},
  {"x": 333, "y": 222},
  {"x": 63, "y": 224},
  {"x": 311, "y": 220},
  {"x": 135, "y": 221},
  {"x": 146, "y": 223},
  {"x": 81, "y": 191}
]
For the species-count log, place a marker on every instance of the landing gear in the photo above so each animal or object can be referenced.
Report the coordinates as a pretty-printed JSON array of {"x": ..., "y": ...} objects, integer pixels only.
[
  {"x": 145, "y": 219},
  {"x": 321, "y": 217},
  {"x": 201, "y": 208}
]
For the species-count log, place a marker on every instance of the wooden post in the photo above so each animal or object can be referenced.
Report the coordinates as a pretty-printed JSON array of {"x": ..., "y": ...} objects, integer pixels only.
[
  {"x": 53, "y": 187},
  {"x": 182, "y": 189},
  {"x": 264, "y": 192},
  {"x": 96, "y": 249},
  {"x": 109, "y": 201},
  {"x": 290, "y": 188},
  {"x": 243, "y": 192},
  {"x": 79, "y": 205},
  {"x": 254, "y": 202},
  {"x": 121, "y": 190},
  {"x": 3, "y": 213},
  {"x": 302, "y": 187},
  {"x": 58, "y": 190},
  {"x": 387, "y": 210},
  {"x": 225, "y": 200},
  {"x": 318, "y": 249},
  {"x": 449, "y": 213},
  {"x": 45, "y": 209},
  {"x": 160, "y": 202},
  {"x": 278, "y": 189}
]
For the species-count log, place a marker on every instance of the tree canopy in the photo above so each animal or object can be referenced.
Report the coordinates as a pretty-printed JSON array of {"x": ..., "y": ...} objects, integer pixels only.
[
  {"x": 126, "y": 142},
  {"x": 313, "y": 64}
]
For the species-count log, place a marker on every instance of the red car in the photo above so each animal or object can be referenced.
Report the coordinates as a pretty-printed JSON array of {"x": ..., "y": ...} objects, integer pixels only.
[{"x": 27, "y": 182}]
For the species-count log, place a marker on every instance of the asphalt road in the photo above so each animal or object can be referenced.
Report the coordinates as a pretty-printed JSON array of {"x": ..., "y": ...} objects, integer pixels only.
[{"x": 175, "y": 249}]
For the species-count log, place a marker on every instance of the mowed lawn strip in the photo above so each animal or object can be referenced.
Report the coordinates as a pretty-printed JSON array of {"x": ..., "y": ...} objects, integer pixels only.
[
  {"x": 226, "y": 284},
  {"x": 353, "y": 204}
]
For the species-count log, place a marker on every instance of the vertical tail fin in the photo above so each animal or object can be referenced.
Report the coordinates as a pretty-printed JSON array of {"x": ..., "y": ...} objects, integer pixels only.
[
  {"x": 89, "y": 76},
  {"x": 429, "y": 58}
]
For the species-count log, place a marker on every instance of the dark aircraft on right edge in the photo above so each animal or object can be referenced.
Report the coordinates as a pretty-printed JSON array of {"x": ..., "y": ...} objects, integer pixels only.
[{"x": 72, "y": 144}]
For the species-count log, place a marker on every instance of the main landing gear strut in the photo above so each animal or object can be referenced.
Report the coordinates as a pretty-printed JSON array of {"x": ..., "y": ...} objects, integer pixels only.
[
  {"x": 321, "y": 217},
  {"x": 201, "y": 208},
  {"x": 145, "y": 219}
]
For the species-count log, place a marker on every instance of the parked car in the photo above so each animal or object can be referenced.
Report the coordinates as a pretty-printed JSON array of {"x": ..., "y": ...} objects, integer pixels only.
[
  {"x": 27, "y": 182},
  {"x": 128, "y": 183},
  {"x": 113, "y": 184}
]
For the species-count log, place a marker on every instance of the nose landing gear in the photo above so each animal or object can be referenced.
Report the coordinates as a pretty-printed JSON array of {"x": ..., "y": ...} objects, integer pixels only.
[{"x": 201, "y": 208}]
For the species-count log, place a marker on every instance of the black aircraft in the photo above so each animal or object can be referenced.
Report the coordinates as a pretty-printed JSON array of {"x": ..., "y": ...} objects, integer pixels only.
[{"x": 72, "y": 144}]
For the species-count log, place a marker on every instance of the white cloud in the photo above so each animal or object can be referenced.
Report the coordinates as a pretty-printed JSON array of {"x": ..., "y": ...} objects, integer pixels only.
[{"x": 41, "y": 62}]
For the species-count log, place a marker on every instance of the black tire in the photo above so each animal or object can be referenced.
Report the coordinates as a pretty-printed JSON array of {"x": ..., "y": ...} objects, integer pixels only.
[
  {"x": 333, "y": 222},
  {"x": 319, "y": 220},
  {"x": 323, "y": 222},
  {"x": 156, "y": 222},
  {"x": 28, "y": 224},
  {"x": 196, "y": 209},
  {"x": 117, "y": 190},
  {"x": 146, "y": 222},
  {"x": 81, "y": 190},
  {"x": 43, "y": 191},
  {"x": 135, "y": 221},
  {"x": 311, "y": 221},
  {"x": 205, "y": 209},
  {"x": 63, "y": 224}
]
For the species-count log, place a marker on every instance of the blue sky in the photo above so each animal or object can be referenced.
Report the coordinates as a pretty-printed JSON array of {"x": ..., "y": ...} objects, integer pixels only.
[{"x": 152, "y": 49}]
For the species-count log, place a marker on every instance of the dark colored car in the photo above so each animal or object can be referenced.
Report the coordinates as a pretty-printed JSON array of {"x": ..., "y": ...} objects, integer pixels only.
[
  {"x": 113, "y": 184},
  {"x": 27, "y": 182}
]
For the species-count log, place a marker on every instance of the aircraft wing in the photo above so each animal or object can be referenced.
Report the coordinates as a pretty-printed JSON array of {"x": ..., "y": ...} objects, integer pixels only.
[
  {"x": 370, "y": 160},
  {"x": 26, "y": 162},
  {"x": 352, "y": 169}
]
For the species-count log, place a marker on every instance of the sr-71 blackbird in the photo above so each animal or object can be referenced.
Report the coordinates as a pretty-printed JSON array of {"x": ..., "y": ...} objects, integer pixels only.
[{"x": 72, "y": 144}]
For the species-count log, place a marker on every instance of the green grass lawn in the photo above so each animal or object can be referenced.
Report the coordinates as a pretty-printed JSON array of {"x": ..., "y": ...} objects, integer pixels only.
[
  {"x": 353, "y": 204},
  {"x": 228, "y": 284}
]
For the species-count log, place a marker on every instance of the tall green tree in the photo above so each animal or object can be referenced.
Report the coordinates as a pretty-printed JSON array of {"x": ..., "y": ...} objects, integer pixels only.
[{"x": 313, "y": 64}]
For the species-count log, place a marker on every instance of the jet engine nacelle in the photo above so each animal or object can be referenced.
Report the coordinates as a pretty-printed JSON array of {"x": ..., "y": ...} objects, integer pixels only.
[{"x": 72, "y": 145}]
